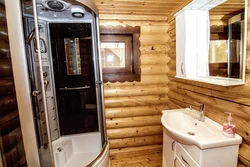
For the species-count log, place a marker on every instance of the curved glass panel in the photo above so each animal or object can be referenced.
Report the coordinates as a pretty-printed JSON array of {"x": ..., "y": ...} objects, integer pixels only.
[{"x": 63, "y": 57}]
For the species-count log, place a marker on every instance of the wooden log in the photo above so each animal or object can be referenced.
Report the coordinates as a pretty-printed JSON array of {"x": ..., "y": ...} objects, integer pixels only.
[
  {"x": 9, "y": 117},
  {"x": 154, "y": 49},
  {"x": 172, "y": 64},
  {"x": 2, "y": 16},
  {"x": 154, "y": 69},
  {"x": 246, "y": 162},
  {"x": 136, "y": 91},
  {"x": 231, "y": 94},
  {"x": 137, "y": 141},
  {"x": 154, "y": 59},
  {"x": 6, "y": 87},
  {"x": 12, "y": 157},
  {"x": 131, "y": 151},
  {"x": 237, "y": 109},
  {"x": 4, "y": 33},
  {"x": 172, "y": 32},
  {"x": 154, "y": 30},
  {"x": 159, "y": 39},
  {"x": 9, "y": 126},
  {"x": 145, "y": 80},
  {"x": 135, "y": 101},
  {"x": 7, "y": 104},
  {"x": 106, "y": 22},
  {"x": 12, "y": 139},
  {"x": 5, "y": 68},
  {"x": 115, "y": 123},
  {"x": 4, "y": 50},
  {"x": 143, "y": 17},
  {"x": 124, "y": 112},
  {"x": 240, "y": 164},
  {"x": 134, "y": 132},
  {"x": 244, "y": 153}
]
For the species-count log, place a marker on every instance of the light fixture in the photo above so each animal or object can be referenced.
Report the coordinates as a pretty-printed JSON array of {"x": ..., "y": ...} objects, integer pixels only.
[
  {"x": 55, "y": 5},
  {"x": 77, "y": 11}
]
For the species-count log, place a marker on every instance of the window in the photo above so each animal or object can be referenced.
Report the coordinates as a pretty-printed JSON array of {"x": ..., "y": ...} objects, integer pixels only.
[{"x": 120, "y": 53}]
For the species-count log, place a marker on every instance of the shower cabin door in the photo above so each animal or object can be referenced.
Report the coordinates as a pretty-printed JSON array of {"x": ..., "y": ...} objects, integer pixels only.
[{"x": 74, "y": 77}]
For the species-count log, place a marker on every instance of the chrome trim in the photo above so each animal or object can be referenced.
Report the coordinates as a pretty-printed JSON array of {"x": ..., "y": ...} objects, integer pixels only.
[
  {"x": 101, "y": 78},
  {"x": 42, "y": 83},
  {"x": 97, "y": 74},
  {"x": 98, "y": 157},
  {"x": 53, "y": 79},
  {"x": 76, "y": 88}
]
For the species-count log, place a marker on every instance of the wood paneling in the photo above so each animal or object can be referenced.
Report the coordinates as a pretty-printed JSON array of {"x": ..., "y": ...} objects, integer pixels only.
[
  {"x": 235, "y": 99},
  {"x": 133, "y": 109},
  {"x": 11, "y": 143},
  {"x": 136, "y": 9}
]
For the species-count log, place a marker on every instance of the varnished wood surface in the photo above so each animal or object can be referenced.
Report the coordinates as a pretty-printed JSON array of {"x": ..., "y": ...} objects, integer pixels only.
[
  {"x": 133, "y": 109},
  {"x": 143, "y": 156},
  {"x": 136, "y": 9}
]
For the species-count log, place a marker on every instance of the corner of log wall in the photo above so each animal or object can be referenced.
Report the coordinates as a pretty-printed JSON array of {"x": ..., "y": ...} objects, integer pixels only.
[{"x": 218, "y": 99}]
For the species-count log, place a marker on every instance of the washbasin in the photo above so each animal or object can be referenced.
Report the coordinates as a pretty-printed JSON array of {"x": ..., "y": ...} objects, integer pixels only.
[{"x": 183, "y": 126}]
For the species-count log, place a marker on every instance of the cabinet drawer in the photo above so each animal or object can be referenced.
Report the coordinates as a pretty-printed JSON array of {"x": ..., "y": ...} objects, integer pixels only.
[
  {"x": 178, "y": 163},
  {"x": 184, "y": 157}
]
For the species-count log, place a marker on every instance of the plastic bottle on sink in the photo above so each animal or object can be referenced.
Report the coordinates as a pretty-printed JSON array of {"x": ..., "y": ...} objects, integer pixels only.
[{"x": 229, "y": 126}]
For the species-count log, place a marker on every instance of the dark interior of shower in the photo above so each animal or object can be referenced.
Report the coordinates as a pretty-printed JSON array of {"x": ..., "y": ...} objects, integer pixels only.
[{"x": 74, "y": 77}]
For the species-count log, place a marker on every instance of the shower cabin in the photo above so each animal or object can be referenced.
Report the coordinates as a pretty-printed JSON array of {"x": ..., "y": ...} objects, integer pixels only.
[{"x": 63, "y": 60}]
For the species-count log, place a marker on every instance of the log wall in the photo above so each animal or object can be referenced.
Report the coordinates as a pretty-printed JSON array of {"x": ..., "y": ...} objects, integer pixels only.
[
  {"x": 133, "y": 109},
  {"x": 11, "y": 142},
  {"x": 235, "y": 99}
]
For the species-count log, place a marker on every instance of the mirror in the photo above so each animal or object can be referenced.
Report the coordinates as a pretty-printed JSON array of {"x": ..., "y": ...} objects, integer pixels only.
[
  {"x": 72, "y": 53},
  {"x": 226, "y": 39},
  {"x": 211, "y": 41}
]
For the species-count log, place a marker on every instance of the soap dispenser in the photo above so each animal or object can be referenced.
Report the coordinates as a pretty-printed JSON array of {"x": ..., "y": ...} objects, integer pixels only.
[{"x": 228, "y": 126}]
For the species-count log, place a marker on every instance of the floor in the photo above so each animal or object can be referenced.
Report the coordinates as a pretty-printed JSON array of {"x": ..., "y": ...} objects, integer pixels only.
[{"x": 141, "y": 158}]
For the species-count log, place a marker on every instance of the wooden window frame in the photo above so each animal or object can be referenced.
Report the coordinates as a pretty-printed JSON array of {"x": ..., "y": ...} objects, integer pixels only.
[{"x": 129, "y": 35}]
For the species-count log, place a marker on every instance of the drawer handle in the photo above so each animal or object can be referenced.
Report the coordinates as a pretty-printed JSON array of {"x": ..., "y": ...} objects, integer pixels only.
[
  {"x": 173, "y": 145},
  {"x": 182, "y": 71},
  {"x": 175, "y": 161},
  {"x": 184, "y": 160}
]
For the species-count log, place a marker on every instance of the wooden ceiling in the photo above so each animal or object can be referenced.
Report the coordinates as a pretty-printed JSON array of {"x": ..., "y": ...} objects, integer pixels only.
[
  {"x": 228, "y": 9},
  {"x": 138, "y": 9}
]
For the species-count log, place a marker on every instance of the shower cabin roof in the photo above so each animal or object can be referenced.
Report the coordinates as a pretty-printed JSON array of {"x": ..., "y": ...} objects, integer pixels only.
[{"x": 61, "y": 15}]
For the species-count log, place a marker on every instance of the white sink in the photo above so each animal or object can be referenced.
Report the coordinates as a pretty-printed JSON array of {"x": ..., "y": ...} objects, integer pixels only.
[{"x": 183, "y": 126}]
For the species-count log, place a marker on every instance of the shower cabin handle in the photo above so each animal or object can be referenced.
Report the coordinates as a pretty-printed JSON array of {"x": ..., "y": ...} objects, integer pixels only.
[{"x": 76, "y": 88}]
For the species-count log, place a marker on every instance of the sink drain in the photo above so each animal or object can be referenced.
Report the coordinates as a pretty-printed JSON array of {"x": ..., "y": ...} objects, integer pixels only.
[{"x": 191, "y": 133}]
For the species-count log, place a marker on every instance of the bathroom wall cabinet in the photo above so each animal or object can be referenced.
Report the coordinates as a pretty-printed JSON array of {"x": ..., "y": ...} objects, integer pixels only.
[{"x": 176, "y": 154}]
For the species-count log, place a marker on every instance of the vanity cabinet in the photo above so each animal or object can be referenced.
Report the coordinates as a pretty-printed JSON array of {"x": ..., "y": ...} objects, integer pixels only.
[{"x": 176, "y": 154}]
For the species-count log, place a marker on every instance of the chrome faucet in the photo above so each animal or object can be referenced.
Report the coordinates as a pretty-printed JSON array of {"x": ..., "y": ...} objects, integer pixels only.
[{"x": 202, "y": 113}]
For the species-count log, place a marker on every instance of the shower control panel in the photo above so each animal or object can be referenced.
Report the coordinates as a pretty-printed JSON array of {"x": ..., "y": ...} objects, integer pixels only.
[{"x": 47, "y": 80}]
